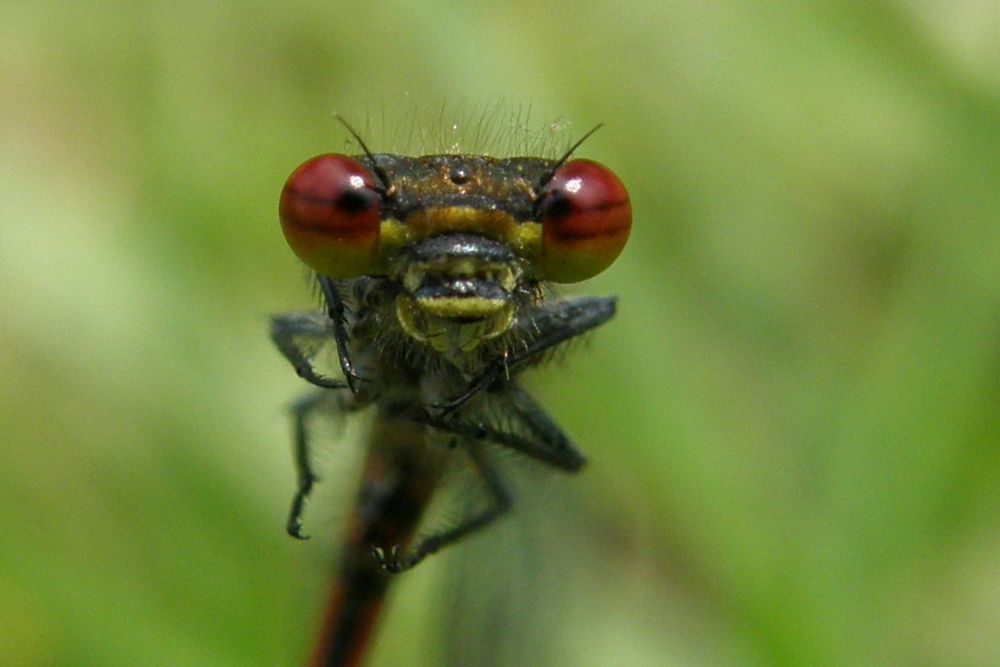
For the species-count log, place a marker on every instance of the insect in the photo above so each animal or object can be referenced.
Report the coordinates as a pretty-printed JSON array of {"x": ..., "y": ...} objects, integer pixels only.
[{"x": 432, "y": 272}]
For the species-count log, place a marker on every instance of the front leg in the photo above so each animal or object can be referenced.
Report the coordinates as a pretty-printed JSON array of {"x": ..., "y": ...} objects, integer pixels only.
[
  {"x": 542, "y": 329},
  {"x": 394, "y": 561},
  {"x": 303, "y": 466},
  {"x": 297, "y": 336},
  {"x": 519, "y": 424},
  {"x": 336, "y": 310},
  {"x": 302, "y": 409}
]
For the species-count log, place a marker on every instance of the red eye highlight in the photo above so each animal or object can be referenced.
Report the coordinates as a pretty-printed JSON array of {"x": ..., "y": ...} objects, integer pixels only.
[
  {"x": 329, "y": 213},
  {"x": 586, "y": 218}
]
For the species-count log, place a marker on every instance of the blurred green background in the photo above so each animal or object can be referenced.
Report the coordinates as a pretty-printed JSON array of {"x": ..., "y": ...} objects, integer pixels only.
[{"x": 792, "y": 424}]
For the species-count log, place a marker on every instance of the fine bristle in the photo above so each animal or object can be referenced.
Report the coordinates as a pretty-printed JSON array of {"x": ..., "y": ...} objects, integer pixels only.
[{"x": 497, "y": 130}]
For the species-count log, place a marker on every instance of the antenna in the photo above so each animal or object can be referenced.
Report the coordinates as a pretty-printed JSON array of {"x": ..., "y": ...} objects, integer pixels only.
[
  {"x": 382, "y": 176},
  {"x": 561, "y": 161}
]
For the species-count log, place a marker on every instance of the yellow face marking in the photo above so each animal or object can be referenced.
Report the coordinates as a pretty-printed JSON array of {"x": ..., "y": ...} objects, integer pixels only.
[
  {"x": 431, "y": 197},
  {"x": 459, "y": 307},
  {"x": 433, "y": 221},
  {"x": 524, "y": 238},
  {"x": 445, "y": 335}
]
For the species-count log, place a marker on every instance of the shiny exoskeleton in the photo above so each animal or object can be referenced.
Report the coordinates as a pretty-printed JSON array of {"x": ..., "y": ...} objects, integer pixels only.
[{"x": 431, "y": 270}]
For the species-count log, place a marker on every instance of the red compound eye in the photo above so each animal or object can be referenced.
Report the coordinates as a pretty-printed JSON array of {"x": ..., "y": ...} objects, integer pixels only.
[
  {"x": 586, "y": 217},
  {"x": 329, "y": 212}
]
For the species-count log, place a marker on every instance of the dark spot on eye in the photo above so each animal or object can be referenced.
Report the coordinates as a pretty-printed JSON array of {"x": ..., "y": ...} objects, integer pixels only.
[
  {"x": 354, "y": 201},
  {"x": 458, "y": 176},
  {"x": 556, "y": 205}
]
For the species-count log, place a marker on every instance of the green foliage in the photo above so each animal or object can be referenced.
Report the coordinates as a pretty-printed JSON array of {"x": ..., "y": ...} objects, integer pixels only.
[{"x": 792, "y": 424}]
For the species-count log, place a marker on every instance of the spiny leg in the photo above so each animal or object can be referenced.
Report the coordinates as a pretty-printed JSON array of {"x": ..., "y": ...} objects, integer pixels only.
[
  {"x": 524, "y": 407},
  {"x": 301, "y": 410},
  {"x": 287, "y": 332},
  {"x": 540, "y": 437},
  {"x": 502, "y": 503},
  {"x": 548, "y": 326},
  {"x": 337, "y": 310}
]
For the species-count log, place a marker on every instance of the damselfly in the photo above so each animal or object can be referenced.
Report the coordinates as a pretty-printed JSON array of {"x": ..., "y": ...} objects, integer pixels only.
[{"x": 432, "y": 271}]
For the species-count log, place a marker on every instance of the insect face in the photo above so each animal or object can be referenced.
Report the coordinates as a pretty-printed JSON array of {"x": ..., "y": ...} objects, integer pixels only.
[{"x": 465, "y": 238}]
